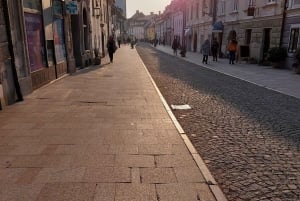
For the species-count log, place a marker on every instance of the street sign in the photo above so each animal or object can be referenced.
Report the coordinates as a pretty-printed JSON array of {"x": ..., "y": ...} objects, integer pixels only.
[{"x": 71, "y": 7}]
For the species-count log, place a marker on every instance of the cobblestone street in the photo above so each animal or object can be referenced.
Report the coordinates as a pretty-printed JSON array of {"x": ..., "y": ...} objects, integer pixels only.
[{"x": 248, "y": 136}]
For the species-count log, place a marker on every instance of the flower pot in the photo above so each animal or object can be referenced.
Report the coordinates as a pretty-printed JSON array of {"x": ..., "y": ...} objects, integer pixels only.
[
  {"x": 97, "y": 61},
  {"x": 278, "y": 65}
]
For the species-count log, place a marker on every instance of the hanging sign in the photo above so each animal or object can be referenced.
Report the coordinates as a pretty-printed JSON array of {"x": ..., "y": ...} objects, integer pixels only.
[{"x": 72, "y": 7}]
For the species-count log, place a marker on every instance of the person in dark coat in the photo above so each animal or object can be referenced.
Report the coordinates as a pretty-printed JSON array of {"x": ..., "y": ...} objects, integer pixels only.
[
  {"x": 214, "y": 49},
  {"x": 175, "y": 46},
  {"x": 119, "y": 42},
  {"x": 205, "y": 51},
  {"x": 111, "y": 47}
]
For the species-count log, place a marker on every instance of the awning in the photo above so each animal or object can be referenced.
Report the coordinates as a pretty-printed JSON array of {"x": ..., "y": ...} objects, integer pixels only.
[{"x": 218, "y": 27}]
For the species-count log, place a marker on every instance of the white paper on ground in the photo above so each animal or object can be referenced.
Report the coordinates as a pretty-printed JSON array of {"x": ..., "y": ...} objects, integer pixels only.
[{"x": 181, "y": 107}]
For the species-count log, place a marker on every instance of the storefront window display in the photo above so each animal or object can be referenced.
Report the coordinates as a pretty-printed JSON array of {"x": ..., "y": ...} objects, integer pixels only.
[
  {"x": 58, "y": 25},
  {"x": 35, "y": 40},
  {"x": 35, "y": 34}
]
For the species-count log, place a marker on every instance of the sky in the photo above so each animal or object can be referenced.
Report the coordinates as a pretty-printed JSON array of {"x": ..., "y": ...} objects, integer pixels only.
[{"x": 146, "y": 6}]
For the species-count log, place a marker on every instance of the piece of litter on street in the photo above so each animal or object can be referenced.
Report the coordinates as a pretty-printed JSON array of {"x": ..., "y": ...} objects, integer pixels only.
[{"x": 181, "y": 107}]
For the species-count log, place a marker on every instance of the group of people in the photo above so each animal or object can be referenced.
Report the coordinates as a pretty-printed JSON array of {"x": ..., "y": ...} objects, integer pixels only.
[
  {"x": 214, "y": 48},
  {"x": 205, "y": 49},
  {"x": 111, "y": 46}
]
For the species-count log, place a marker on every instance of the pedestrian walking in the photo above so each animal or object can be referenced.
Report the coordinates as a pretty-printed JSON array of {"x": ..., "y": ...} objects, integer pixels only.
[
  {"x": 215, "y": 49},
  {"x": 205, "y": 51},
  {"x": 111, "y": 47},
  {"x": 175, "y": 46},
  {"x": 232, "y": 48},
  {"x": 119, "y": 42}
]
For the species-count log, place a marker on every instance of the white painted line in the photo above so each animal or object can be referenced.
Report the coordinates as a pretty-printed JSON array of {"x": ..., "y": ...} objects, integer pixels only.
[
  {"x": 205, "y": 171},
  {"x": 172, "y": 116},
  {"x": 217, "y": 192},
  {"x": 189, "y": 144}
]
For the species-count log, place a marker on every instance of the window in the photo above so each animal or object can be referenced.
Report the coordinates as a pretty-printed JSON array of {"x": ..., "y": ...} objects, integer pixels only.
[
  {"x": 58, "y": 29},
  {"x": 251, "y": 3},
  {"x": 204, "y": 8},
  {"x": 296, "y": 2},
  {"x": 248, "y": 36},
  {"x": 294, "y": 37},
  {"x": 222, "y": 7},
  {"x": 197, "y": 10},
  {"x": 270, "y": 1},
  {"x": 32, "y": 4},
  {"x": 235, "y": 5},
  {"x": 34, "y": 34}
]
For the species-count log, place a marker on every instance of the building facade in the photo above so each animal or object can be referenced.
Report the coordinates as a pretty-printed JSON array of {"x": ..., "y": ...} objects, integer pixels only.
[
  {"x": 291, "y": 30},
  {"x": 43, "y": 40},
  {"x": 122, "y": 5}
]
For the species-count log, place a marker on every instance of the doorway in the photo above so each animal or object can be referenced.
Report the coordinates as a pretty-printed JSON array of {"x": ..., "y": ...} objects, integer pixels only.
[
  {"x": 266, "y": 42},
  {"x": 195, "y": 42}
]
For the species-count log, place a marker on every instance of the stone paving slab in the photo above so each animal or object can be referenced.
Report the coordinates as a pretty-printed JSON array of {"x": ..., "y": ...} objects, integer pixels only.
[
  {"x": 100, "y": 134},
  {"x": 184, "y": 192}
]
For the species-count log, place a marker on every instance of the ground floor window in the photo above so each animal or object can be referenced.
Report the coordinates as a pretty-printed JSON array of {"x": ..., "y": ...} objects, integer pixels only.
[
  {"x": 294, "y": 37},
  {"x": 35, "y": 41},
  {"x": 59, "y": 42}
]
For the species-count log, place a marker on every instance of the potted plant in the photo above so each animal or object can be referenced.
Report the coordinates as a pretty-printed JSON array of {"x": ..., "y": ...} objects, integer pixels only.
[
  {"x": 296, "y": 65},
  {"x": 183, "y": 51},
  {"x": 277, "y": 56}
]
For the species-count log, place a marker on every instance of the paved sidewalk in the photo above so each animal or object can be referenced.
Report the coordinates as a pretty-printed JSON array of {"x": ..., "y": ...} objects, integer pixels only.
[
  {"x": 282, "y": 80},
  {"x": 100, "y": 134}
]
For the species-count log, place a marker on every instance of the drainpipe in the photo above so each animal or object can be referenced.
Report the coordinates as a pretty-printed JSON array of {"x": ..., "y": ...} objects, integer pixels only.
[
  {"x": 107, "y": 18},
  {"x": 283, "y": 22},
  {"x": 11, "y": 51}
]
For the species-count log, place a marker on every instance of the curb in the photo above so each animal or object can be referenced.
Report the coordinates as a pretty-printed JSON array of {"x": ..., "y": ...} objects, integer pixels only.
[
  {"x": 224, "y": 73},
  {"x": 50, "y": 83},
  {"x": 210, "y": 181}
]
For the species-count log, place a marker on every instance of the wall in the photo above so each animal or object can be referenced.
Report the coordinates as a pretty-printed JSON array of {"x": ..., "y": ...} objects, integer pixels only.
[{"x": 7, "y": 89}]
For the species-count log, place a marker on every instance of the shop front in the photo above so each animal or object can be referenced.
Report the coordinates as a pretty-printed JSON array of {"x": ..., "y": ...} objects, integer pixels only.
[{"x": 44, "y": 34}]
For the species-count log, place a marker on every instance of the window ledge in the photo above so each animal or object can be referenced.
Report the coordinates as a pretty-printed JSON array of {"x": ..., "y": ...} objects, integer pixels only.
[
  {"x": 294, "y": 7},
  {"x": 270, "y": 4},
  {"x": 234, "y": 12}
]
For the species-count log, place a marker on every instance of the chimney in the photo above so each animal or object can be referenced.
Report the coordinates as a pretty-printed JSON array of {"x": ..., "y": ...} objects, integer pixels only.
[
  {"x": 151, "y": 13},
  {"x": 137, "y": 11},
  {"x": 159, "y": 13}
]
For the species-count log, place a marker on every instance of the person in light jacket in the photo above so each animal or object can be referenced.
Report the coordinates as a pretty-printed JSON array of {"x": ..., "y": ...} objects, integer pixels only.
[{"x": 232, "y": 48}]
